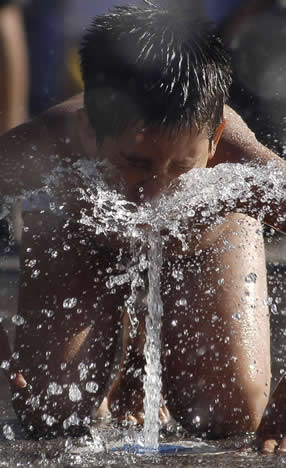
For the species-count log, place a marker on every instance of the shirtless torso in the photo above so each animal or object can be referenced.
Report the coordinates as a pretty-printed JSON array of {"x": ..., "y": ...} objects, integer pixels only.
[{"x": 216, "y": 353}]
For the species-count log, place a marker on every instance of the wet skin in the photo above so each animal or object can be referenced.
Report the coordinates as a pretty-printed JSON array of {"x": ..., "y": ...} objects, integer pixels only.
[
  {"x": 205, "y": 386},
  {"x": 213, "y": 365}
]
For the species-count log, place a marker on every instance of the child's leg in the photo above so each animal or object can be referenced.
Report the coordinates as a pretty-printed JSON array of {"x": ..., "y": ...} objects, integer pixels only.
[
  {"x": 126, "y": 395},
  {"x": 216, "y": 333},
  {"x": 67, "y": 333}
]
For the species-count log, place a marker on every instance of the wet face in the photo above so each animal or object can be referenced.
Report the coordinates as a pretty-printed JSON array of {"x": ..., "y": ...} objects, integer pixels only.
[{"x": 144, "y": 162}]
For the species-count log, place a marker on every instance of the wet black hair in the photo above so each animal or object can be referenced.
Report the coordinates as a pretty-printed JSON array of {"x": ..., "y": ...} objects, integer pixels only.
[{"x": 153, "y": 64}]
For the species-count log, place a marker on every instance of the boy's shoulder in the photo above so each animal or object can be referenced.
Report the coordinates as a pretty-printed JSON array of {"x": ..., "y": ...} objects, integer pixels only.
[
  {"x": 29, "y": 150},
  {"x": 51, "y": 127}
]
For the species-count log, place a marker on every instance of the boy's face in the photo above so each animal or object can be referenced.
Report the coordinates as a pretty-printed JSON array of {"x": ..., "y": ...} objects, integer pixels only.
[{"x": 143, "y": 162}]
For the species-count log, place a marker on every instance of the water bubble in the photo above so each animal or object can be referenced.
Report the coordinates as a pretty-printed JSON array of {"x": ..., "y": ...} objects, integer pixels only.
[
  {"x": 268, "y": 301},
  {"x": 181, "y": 302},
  {"x": 251, "y": 278},
  {"x": 220, "y": 282},
  {"x": 8, "y": 432},
  {"x": 91, "y": 387},
  {"x": 66, "y": 247},
  {"x": 70, "y": 303},
  {"x": 201, "y": 351},
  {"x": 197, "y": 421},
  {"x": 74, "y": 393},
  {"x": 174, "y": 323},
  {"x": 18, "y": 320},
  {"x": 83, "y": 371},
  {"x": 178, "y": 275},
  {"x": 49, "y": 420},
  {"x": 5, "y": 365},
  {"x": 54, "y": 389},
  {"x": 35, "y": 274},
  {"x": 48, "y": 313},
  {"x": 53, "y": 253},
  {"x": 236, "y": 316},
  {"x": 72, "y": 420}
]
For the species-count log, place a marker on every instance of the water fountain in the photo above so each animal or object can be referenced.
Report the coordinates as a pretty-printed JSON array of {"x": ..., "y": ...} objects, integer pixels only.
[{"x": 209, "y": 190}]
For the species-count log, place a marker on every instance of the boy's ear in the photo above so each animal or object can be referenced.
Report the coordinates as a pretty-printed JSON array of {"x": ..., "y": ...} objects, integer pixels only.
[
  {"x": 87, "y": 133},
  {"x": 216, "y": 138}
]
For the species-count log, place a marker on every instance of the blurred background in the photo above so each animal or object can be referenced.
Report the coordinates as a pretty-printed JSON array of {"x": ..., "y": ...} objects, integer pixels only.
[{"x": 39, "y": 67}]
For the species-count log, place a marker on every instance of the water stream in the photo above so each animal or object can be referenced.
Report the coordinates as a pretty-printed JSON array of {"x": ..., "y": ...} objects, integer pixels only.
[{"x": 152, "y": 349}]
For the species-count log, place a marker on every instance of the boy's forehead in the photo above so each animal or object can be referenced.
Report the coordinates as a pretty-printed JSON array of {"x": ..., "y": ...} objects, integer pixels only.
[{"x": 144, "y": 136}]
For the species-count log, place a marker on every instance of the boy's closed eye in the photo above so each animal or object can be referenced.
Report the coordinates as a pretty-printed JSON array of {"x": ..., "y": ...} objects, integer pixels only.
[{"x": 133, "y": 160}]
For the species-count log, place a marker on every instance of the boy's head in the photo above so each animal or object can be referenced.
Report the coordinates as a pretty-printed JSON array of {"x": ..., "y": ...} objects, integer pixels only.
[
  {"x": 154, "y": 65},
  {"x": 155, "y": 69}
]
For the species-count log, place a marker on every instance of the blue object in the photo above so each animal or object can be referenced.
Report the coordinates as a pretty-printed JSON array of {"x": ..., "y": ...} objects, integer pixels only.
[
  {"x": 218, "y": 10},
  {"x": 163, "y": 449}
]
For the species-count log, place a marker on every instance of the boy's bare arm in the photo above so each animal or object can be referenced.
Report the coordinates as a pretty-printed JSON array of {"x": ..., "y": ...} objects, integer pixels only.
[{"x": 238, "y": 144}]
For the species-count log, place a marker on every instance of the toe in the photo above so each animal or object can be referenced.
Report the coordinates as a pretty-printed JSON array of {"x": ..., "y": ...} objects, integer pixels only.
[
  {"x": 268, "y": 447},
  {"x": 282, "y": 447}
]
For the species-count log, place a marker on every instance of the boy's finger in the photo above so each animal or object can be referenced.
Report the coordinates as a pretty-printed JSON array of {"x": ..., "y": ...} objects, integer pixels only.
[{"x": 19, "y": 381}]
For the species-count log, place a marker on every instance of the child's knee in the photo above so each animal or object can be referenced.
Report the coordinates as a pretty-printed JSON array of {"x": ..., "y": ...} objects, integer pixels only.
[{"x": 221, "y": 413}]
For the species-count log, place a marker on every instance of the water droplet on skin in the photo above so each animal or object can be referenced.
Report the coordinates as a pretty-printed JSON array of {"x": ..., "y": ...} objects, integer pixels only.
[
  {"x": 202, "y": 351},
  {"x": 251, "y": 278},
  {"x": 236, "y": 316},
  {"x": 70, "y": 303}
]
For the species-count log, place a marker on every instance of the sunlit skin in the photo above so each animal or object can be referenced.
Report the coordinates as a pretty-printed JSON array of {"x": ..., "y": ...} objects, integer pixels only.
[
  {"x": 53, "y": 348},
  {"x": 152, "y": 160},
  {"x": 149, "y": 159}
]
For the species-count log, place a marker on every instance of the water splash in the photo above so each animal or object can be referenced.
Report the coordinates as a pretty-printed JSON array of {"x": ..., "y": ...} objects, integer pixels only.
[{"x": 152, "y": 349}]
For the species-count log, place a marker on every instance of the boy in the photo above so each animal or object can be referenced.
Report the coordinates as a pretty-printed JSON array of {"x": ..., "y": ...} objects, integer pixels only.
[{"x": 155, "y": 89}]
